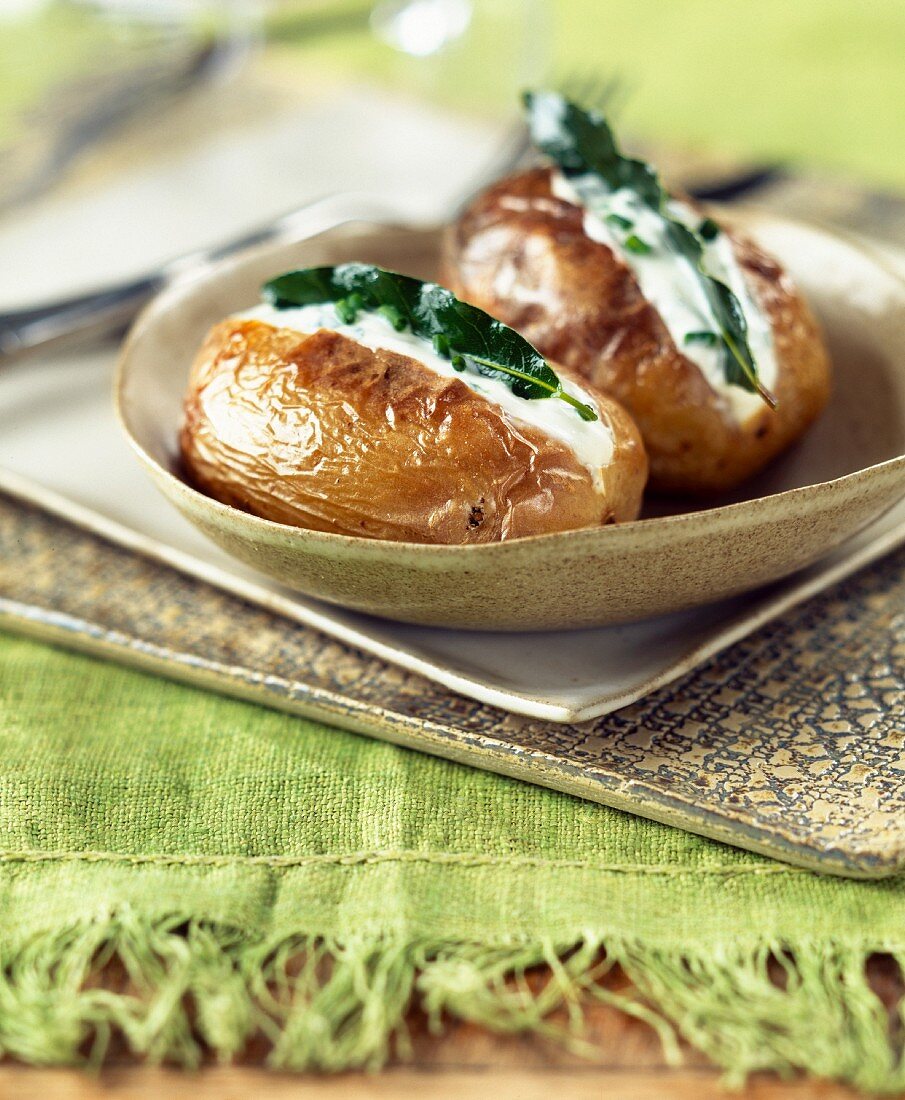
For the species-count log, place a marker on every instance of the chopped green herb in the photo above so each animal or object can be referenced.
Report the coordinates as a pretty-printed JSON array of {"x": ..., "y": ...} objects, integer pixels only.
[
  {"x": 618, "y": 220},
  {"x": 636, "y": 245},
  {"x": 708, "y": 229},
  {"x": 347, "y": 309},
  {"x": 473, "y": 339},
  {"x": 394, "y": 316},
  {"x": 709, "y": 338}
]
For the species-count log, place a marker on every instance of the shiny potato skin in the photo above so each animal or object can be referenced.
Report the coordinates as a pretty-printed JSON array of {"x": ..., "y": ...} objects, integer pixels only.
[
  {"x": 320, "y": 432},
  {"x": 521, "y": 254}
]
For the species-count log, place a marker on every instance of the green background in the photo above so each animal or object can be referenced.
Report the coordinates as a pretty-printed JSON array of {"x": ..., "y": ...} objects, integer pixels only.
[{"x": 818, "y": 82}]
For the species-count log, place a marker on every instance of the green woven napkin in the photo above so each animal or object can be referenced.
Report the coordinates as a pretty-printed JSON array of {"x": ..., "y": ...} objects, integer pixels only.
[{"x": 205, "y": 843}]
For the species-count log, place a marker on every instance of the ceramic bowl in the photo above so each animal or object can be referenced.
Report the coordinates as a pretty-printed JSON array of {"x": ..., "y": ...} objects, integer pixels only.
[{"x": 847, "y": 471}]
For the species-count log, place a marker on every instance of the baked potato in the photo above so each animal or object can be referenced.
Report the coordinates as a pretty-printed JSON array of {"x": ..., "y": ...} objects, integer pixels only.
[
  {"x": 320, "y": 431},
  {"x": 522, "y": 252}
]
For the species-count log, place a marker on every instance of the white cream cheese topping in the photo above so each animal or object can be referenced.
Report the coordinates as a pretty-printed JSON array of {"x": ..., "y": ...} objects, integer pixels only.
[
  {"x": 667, "y": 280},
  {"x": 591, "y": 441}
]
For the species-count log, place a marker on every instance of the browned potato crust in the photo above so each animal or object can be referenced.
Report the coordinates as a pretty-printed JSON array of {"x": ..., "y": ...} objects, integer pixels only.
[
  {"x": 320, "y": 432},
  {"x": 522, "y": 255}
]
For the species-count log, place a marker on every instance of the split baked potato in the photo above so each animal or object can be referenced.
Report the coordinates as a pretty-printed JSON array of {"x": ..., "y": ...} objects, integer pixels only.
[
  {"x": 319, "y": 431},
  {"x": 522, "y": 253}
]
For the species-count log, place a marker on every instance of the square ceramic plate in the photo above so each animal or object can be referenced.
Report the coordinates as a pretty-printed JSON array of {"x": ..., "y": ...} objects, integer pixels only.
[
  {"x": 789, "y": 743},
  {"x": 58, "y": 432}
]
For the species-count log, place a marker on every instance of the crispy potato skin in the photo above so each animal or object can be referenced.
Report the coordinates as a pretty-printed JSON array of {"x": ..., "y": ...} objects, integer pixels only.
[
  {"x": 521, "y": 254},
  {"x": 320, "y": 432}
]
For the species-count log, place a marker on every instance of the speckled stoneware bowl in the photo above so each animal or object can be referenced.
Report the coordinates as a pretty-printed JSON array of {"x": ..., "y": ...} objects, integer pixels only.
[{"x": 848, "y": 470}]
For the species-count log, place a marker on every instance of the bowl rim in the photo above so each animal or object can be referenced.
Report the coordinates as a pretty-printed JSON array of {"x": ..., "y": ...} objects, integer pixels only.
[{"x": 272, "y": 530}]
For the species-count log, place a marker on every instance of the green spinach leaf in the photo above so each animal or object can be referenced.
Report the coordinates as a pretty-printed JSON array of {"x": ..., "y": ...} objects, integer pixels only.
[
  {"x": 471, "y": 338},
  {"x": 582, "y": 142}
]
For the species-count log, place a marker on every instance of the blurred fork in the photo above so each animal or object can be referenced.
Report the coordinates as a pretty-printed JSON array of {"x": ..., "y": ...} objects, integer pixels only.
[
  {"x": 100, "y": 313},
  {"x": 516, "y": 151}
]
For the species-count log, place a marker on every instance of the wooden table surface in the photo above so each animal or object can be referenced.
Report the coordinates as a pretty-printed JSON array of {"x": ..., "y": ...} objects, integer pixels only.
[{"x": 467, "y": 1061}]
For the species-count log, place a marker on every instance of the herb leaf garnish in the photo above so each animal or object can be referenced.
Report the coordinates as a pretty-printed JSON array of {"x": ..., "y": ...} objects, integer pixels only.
[
  {"x": 582, "y": 142},
  {"x": 469, "y": 337}
]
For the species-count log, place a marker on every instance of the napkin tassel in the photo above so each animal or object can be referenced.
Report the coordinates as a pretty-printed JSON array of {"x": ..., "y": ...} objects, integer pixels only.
[{"x": 176, "y": 989}]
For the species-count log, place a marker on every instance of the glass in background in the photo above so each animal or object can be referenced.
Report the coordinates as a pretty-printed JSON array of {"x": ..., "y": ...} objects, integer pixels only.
[
  {"x": 406, "y": 100},
  {"x": 75, "y": 73},
  {"x": 474, "y": 56}
]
